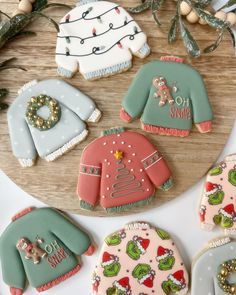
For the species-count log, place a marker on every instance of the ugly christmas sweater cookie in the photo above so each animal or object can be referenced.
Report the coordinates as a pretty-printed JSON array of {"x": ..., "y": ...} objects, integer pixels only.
[
  {"x": 47, "y": 118},
  {"x": 41, "y": 246},
  {"x": 121, "y": 169},
  {"x": 218, "y": 203},
  {"x": 98, "y": 39},
  {"x": 213, "y": 270},
  {"x": 169, "y": 96},
  {"x": 138, "y": 260}
]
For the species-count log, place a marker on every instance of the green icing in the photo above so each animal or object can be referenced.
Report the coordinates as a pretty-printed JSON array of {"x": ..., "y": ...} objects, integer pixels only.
[
  {"x": 140, "y": 99},
  {"x": 85, "y": 205},
  {"x": 61, "y": 239}
]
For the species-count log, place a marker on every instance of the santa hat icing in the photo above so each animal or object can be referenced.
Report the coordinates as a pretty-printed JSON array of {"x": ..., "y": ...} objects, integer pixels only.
[
  {"x": 147, "y": 279},
  {"x": 178, "y": 278},
  {"x": 141, "y": 243},
  {"x": 162, "y": 253},
  {"x": 123, "y": 285},
  {"x": 108, "y": 259},
  {"x": 211, "y": 188},
  {"x": 228, "y": 211}
]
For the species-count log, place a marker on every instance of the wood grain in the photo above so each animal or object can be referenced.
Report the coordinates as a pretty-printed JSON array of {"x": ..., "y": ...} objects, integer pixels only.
[{"x": 189, "y": 158}]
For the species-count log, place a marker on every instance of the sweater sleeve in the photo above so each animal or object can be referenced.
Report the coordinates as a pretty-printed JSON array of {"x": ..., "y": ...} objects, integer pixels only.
[
  {"x": 74, "y": 238},
  {"x": 135, "y": 100},
  {"x": 155, "y": 166},
  {"x": 202, "y": 112},
  {"x": 12, "y": 268},
  {"x": 21, "y": 140},
  {"x": 88, "y": 187},
  {"x": 77, "y": 101}
]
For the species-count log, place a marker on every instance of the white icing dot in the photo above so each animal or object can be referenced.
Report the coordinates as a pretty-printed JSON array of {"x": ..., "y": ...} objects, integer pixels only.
[
  {"x": 104, "y": 143},
  {"x": 91, "y": 107},
  {"x": 129, "y": 146},
  {"x": 77, "y": 94},
  {"x": 29, "y": 90},
  {"x": 105, "y": 160},
  {"x": 133, "y": 154},
  {"x": 148, "y": 189},
  {"x": 122, "y": 142},
  {"x": 77, "y": 130},
  {"x": 108, "y": 188},
  {"x": 58, "y": 82},
  {"x": 118, "y": 135},
  {"x": 21, "y": 129},
  {"x": 108, "y": 163},
  {"x": 15, "y": 143},
  {"x": 209, "y": 268},
  {"x": 28, "y": 152},
  {"x": 107, "y": 176},
  {"x": 114, "y": 142},
  {"x": 77, "y": 108},
  {"x": 129, "y": 161},
  {"x": 141, "y": 170},
  {"x": 111, "y": 152},
  {"x": 62, "y": 96},
  {"x": 132, "y": 169},
  {"x": 103, "y": 197},
  {"x": 63, "y": 137},
  {"x": 142, "y": 180}
]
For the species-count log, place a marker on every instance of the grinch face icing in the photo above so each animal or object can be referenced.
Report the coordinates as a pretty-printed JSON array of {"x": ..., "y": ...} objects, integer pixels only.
[{"x": 139, "y": 260}]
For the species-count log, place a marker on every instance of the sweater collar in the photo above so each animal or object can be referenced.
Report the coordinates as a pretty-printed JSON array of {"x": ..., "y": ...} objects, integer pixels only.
[
  {"x": 116, "y": 130},
  {"x": 22, "y": 213},
  {"x": 172, "y": 58},
  {"x": 219, "y": 242},
  {"x": 137, "y": 225},
  {"x": 83, "y": 2}
]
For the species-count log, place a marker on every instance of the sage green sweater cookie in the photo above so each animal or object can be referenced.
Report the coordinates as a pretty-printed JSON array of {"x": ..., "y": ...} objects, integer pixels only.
[{"x": 41, "y": 246}]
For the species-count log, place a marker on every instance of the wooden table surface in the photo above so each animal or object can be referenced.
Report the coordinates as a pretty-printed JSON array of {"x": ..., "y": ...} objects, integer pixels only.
[{"x": 189, "y": 158}]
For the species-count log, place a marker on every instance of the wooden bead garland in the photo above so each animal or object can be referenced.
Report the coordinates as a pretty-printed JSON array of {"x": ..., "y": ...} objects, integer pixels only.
[
  {"x": 24, "y": 7},
  {"x": 35, "y": 104},
  {"x": 192, "y": 17},
  {"x": 226, "y": 269}
]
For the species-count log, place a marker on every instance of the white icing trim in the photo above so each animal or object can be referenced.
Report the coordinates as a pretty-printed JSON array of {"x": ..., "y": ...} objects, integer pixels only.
[
  {"x": 222, "y": 211},
  {"x": 137, "y": 225},
  {"x": 118, "y": 286},
  {"x": 148, "y": 156},
  {"x": 158, "y": 258},
  {"x": 103, "y": 264},
  {"x": 26, "y": 162},
  {"x": 27, "y": 86},
  {"x": 90, "y": 174},
  {"x": 230, "y": 157},
  {"x": 140, "y": 247},
  {"x": 159, "y": 159},
  {"x": 207, "y": 226},
  {"x": 95, "y": 116},
  {"x": 173, "y": 279},
  {"x": 143, "y": 279},
  {"x": 144, "y": 51},
  {"x": 66, "y": 147},
  {"x": 219, "y": 242},
  {"x": 211, "y": 192}
]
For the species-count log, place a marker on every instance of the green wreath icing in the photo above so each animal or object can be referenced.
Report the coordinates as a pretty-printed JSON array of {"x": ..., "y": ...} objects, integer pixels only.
[{"x": 35, "y": 103}]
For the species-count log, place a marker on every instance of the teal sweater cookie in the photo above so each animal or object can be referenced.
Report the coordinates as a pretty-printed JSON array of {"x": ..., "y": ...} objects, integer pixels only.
[
  {"x": 41, "y": 246},
  {"x": 169, "y": 96}
]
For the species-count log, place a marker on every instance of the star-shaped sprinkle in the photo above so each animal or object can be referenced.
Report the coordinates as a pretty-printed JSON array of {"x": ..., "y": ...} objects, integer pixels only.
[{"x": 118, "y": 155}]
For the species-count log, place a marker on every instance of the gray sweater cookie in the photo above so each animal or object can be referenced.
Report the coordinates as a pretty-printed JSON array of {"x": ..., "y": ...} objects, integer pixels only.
[
  {"x": 208, "y": 265},
  {"x": 47, "y": 118}
]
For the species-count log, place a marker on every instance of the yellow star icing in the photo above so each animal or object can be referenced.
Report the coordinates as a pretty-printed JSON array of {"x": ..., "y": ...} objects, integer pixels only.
[{"x": 118, "y": 155}]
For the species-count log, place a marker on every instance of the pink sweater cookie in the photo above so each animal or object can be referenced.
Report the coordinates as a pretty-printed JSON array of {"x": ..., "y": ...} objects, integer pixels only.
[
  {"x": 138, "y": 260},
  {"x": 121, "y": 169},
  {"x": 218, "y": 202}
]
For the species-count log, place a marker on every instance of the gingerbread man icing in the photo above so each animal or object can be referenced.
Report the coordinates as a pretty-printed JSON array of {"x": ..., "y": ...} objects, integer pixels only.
[
  {"x": 32, "y": 250},
  {"x": 163, "y": 91}
]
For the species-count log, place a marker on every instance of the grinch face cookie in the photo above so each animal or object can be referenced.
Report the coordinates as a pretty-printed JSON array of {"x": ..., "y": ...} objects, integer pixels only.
[
  {"x": 217, "y": 207},
  {"x": 139, "y": 260},
  {"x": 98, "y": 38}
]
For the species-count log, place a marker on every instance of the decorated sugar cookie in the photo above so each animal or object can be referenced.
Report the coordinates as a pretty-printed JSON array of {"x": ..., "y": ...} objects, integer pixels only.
[
  {"x": 98, "y": 38},
  {"x": 169, "y": 96},
  {"x": 48, "y": 118},
  {"x": 149, "y": 263},
  {"x": 41, "y": 246},
  {"x": 213, "y": 270},
  {"x": 121, "y": 170},
  {"x": 218, "y": 203}
]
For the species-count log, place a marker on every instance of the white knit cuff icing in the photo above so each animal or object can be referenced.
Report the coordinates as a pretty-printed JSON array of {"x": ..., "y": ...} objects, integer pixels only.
[
  {"x": 144, "y": 51},
  {"x": 95, "y": 117},
  {"x": 26, "y": 162},
  {"x": 64, "y": 72},
  {"x": 207, "y": 226}
]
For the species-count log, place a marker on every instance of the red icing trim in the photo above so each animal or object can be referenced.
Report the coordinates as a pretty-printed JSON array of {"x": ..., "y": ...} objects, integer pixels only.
[
  {"x": 125, "y": 116},
  {"x": 165, "y": 131},
  {"x": 58, "y": 280},
  {"x": 22, "y": 213},
  {"x": 16, "y": 291},
  {"x": 172, "y": 58},
  {"x": 204, "y": 127},
  {"x": 89, "y": 251}
]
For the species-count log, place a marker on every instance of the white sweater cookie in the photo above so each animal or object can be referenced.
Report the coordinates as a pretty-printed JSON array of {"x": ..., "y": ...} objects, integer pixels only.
[{"x": 98, "y": 39}]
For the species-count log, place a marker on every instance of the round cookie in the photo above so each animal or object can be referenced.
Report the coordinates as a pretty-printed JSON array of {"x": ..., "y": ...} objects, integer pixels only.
[
  {"x": 98, "y": 39},
  {"x": 47, "y": 118}
]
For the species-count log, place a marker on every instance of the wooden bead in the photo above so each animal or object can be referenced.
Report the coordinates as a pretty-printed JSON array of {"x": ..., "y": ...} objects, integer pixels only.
[
  {"x": 221, "y": 15},
  {"x": 201, "y": 21},
  {"x": 25, "y": 6},
  {"x": 231, "y": 18},
  {"x": 192, "y": 17},
  {"x": 17, "y": 12},
  {"x": 185, "y": 8}
]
